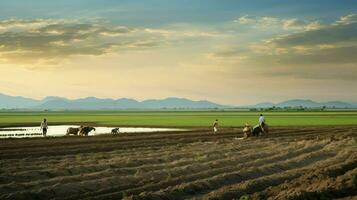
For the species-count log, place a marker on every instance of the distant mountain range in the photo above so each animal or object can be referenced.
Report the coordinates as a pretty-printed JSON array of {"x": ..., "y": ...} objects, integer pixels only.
[
  {"x": 306, "y": 103},
  {"x": 93, "y": 103}
]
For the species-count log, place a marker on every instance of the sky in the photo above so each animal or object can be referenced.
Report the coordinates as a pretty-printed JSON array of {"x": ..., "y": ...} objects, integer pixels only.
[{"x": 235, "y": 52}]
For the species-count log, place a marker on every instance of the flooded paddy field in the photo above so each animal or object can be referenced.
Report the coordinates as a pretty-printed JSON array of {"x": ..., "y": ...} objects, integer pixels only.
[
  {"x": 289, "y": 163},
  {"x": 60, "y": 130}
]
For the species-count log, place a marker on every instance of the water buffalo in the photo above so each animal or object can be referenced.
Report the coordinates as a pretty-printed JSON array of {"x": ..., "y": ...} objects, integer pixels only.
[
  {"x": 257, "y": 130},
  {"x": 115, "y": 131},
  {"x": 72, "y": 131},
  {"x": 248, "y": 131},
  {"x": 83, "y": 131}
]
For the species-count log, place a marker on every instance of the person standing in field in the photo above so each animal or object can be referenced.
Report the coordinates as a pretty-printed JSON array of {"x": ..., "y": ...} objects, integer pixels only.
[
  {"x": 44, "y": 127},
  {"x": 262, "y": 122},
  {"x": 215, "y": 126}
]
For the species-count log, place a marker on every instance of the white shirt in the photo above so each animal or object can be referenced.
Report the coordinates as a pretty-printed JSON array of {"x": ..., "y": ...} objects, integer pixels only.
[
  {"x": 261, "y": 119},
  {"x": 44, "y": 125}
]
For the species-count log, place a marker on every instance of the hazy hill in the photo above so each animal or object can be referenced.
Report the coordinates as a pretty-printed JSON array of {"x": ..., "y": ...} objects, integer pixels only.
[
  {"x": 93, "y": 103},
  {"x": 264, "y": 105},
  {"x": 173, "y": 102},
  {"x": 299, "y": 102},
  {"x": 16, "y": 102},
  {"x": 306, "y": 103}
]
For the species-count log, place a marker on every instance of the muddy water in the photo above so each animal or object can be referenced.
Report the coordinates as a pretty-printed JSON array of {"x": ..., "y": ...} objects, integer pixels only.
[{"x": 60, "y": 130}]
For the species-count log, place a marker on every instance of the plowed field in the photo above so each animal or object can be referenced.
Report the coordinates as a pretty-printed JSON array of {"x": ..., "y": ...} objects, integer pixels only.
[{"x": 289, "y": 163}]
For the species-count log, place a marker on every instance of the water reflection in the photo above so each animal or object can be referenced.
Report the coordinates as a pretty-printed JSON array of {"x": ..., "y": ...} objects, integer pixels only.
[{"x": 60, "y": 130}]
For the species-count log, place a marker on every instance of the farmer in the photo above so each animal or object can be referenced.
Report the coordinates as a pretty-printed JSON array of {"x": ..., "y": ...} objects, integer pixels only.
[
  {"x": 44, "y": 127},
  {"x": 215, "y": 126},
  {"x": 262, "y": 122}
]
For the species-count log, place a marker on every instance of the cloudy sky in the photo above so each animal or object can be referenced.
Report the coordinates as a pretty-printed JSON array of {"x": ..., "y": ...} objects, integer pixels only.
[{"x": 227, "y": 51}]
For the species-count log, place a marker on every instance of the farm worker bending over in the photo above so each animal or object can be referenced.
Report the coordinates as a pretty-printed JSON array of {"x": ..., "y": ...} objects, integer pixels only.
[
  {"x": 44, "y": 127},
  {"x": 262, "y": 122},
  {"x": 215, "y": 126}
]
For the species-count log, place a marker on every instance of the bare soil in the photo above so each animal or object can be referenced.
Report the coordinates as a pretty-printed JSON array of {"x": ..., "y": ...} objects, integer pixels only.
[{"x": 289, "y": 163}]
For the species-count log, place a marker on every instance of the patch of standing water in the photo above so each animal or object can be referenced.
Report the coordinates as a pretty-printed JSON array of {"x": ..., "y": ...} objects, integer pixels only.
[{"x": 60, "y": 130}]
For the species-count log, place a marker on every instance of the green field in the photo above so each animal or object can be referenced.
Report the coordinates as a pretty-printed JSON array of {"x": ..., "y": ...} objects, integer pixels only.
[{"x": 179, "y": 118}]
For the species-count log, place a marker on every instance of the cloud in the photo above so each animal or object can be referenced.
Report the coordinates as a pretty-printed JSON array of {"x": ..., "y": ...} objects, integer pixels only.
[
  {"x": 296, "y": 24},
  {"x": 285, "y": 24},
  {"x": 177, "y": 31},
  {"x": 234, "y": 55},
  {"x": 332, "y": 34},
  {"x": 258, "y": 21},
  {"x": 11, "y": 23},
  {"x": 333, "y": 43},
  {"x": 335, "y": 55},
  {"x": 53, "y": 41},
  {"x": 348, "y": 19},
  {"x": 47, "y": 41},
  {"x": 327, "y": 51}
]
